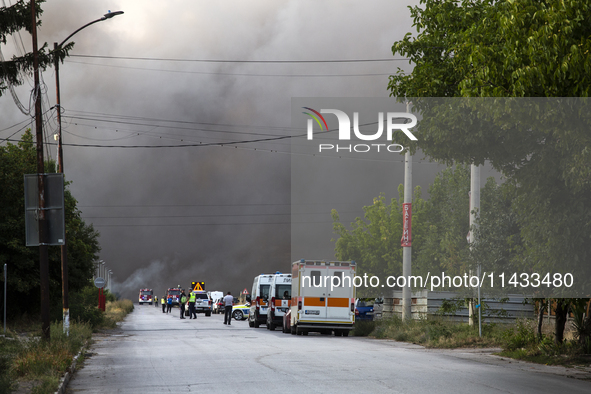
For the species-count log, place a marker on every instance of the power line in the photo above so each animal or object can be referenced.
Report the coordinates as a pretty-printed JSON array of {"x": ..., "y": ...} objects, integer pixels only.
[
  {"x": 239, "y": 74},
  {"x": 241, "y": 61}
]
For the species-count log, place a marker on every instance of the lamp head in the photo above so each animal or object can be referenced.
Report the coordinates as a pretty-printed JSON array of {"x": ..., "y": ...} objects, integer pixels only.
[{"x": 110, "y": 14}]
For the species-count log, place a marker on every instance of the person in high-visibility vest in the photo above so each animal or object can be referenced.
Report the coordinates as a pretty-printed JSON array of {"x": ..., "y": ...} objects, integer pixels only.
[
  {"x": 192, "y": 314},
  {"x": 156, "y": 301},
  {"x": 182, "y": 305},
  {"x": 163, "y": 304}
]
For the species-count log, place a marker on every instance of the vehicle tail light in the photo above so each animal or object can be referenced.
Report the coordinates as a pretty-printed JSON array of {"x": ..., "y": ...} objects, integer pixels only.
[
  {"x": 352, "y": 307},
  {"x": 258, "y": 303},
  {"x": 272, "y": 303},
  {"x": 299, "y": 305},
  {"x": 356, "y": 312}
]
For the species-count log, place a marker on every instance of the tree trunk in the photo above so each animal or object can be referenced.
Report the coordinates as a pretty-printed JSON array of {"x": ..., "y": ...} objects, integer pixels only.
[
  {"x": 541, "y": 309},
  {"x": 562, "y": 307}
]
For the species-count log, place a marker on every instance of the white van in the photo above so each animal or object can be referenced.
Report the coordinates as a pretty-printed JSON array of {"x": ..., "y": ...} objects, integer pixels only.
[
  {"x": 259, "y": 299},
  {"x": 323, "y": 297},
  {"x": 280, "y": 293}
]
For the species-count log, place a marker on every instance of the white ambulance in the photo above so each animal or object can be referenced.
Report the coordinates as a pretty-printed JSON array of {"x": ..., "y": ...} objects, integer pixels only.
[
  {"x": 280, "y": 293},
  {"x": 259, "y": 299},
  {"x": 322, "y": 297}
]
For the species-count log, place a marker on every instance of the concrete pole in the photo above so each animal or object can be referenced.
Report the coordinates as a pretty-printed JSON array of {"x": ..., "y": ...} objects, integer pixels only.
[
  {"x": 475, "y": 205},
  {"x": 406, "y": 251}
]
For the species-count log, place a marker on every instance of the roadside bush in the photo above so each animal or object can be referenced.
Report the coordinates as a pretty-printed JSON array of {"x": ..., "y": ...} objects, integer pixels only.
[
  {"x": 522, "y": 335},
  {"x": 363, "y": 328}
]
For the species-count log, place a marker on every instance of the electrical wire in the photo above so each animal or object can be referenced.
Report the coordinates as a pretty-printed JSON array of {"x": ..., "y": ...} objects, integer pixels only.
[
  {"x": 242, "y": 61},
  {"x": 237, "y": 74}
]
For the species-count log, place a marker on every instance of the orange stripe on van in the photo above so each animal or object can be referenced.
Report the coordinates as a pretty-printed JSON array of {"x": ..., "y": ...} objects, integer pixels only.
[
  {"x": 338, "y": 302},
  {"x": 314, "y": 301}
]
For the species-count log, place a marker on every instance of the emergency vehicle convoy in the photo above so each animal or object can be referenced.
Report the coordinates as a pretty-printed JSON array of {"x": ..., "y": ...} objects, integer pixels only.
[
  {"x": 145, "y": 296},
  {"x": 322, "y": 297}
]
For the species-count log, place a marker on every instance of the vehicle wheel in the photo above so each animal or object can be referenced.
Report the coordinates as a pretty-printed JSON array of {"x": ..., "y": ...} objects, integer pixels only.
[
  {"x": 237, "y": 315},
  {"x": 250, "y": 324},
  {"x": 292, "y": 330},
  {"x": 346, "y": 333},
  {"x": 272, "y": 327},
  {"x": 207, "y": 313},
  {"x": 299, "y": 331},
  {"x": 337, "y": 333},
  {"x": 150, "y": 303}
]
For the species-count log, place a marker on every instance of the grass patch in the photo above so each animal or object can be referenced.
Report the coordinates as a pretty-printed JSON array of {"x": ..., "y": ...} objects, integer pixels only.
[
  {"x": 115, "y": 312},
  {"x": 30, "y": 359},
  {"x": 438, "y": 332},
  {"x": 522, "y": 343}
]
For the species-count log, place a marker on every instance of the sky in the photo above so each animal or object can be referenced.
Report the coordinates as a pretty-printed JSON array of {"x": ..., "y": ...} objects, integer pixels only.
[{"x": 172, "y": 73}]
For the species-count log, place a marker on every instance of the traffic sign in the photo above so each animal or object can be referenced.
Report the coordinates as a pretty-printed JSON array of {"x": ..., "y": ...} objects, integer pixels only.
[
  {"x": 99, "y": 282},
  {"x": 244, "y": 291},
  {"x": 198, "y": 286}
]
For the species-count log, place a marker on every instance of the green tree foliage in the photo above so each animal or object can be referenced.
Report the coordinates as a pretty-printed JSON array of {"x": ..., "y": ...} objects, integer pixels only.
[
  {"x": 13, "y": 19},
  {"x": 517, "y": 48},
  {"x": 447, "y": 218},
  {"x": 23, "y": 262},
  {"x": 374, "y": 240},
  {"x": 439, "y": 228},
  {"x": 490, "y": 48}
]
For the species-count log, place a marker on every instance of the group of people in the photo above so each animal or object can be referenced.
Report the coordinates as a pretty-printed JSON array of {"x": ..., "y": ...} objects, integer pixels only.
[{"x": 167, "y": 306}]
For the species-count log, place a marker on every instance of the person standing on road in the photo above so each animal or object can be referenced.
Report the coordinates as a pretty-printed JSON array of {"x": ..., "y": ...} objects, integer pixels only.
[
  {"x": 228, "y": 300},
  {"x": 163, "y": 302},
  {"x": 192, "y": 314},
  {"x": 183, "y": 302},
  {"x": 169, "y": 305}
]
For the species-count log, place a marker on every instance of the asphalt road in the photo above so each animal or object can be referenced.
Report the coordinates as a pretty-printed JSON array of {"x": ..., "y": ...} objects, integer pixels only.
[{"x": 157, "y": 353}]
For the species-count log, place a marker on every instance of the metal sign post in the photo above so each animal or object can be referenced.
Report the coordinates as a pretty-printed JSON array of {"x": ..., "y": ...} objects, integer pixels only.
[{"x": 100, "y": 283}]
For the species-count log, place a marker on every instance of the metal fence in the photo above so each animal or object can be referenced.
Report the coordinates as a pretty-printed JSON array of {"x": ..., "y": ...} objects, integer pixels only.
[{"x": 425, "y": 302}]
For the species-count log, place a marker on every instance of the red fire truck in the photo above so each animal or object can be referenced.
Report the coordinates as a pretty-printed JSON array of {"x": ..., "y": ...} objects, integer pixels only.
[
  {"x": 146, "y": 296},
  {"x": 175, "y": 294}
]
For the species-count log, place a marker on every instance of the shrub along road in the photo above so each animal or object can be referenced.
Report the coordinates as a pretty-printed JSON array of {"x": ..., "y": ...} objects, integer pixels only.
[{"x": 154, "y": 353}]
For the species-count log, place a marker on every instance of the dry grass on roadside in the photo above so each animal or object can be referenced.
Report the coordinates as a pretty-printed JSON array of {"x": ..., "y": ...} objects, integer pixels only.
[
  {"x": 115, "y": 312},
  {"x": 437, "y": 332},
  {"x": 30, "y": 361}
]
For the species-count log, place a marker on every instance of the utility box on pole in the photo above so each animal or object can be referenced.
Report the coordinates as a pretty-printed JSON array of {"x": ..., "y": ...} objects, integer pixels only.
[{"x": 54, "y": 209}]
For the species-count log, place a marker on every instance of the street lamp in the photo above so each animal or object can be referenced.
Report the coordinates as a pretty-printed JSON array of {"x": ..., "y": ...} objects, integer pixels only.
[{"x": 57, "y": 47}]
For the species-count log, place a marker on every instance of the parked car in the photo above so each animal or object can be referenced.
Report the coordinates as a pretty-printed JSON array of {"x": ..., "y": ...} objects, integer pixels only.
[
  {"x": 218, "y": 306},
  {"x": 363, "y": 310},
  {"x": 240, "y": 312}
]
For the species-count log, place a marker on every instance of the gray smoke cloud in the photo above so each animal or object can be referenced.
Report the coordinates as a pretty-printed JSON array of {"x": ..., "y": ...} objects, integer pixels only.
[{"x": 169, "y": 216}]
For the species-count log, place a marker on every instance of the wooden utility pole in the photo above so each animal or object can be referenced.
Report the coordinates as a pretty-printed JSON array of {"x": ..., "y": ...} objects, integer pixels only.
[{"x": 43, "y": 247}]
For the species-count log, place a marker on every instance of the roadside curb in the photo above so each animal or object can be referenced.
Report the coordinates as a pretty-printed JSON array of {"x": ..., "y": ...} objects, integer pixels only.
[{"x": 70, "y": 371}]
